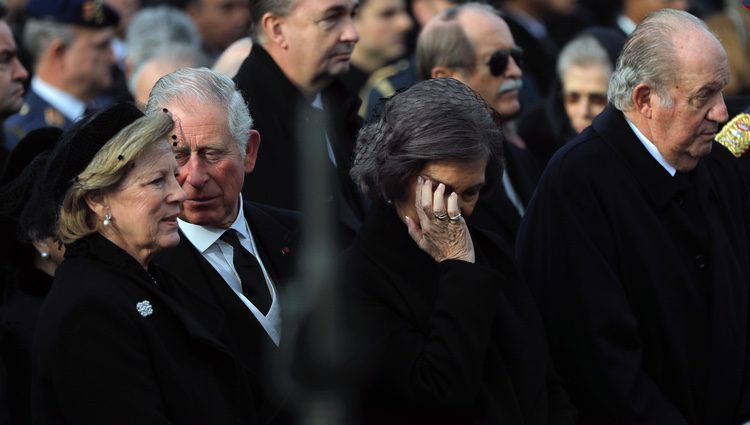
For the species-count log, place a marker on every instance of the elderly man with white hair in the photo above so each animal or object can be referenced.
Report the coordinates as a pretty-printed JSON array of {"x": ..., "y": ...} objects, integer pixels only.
[{"x": 637, "y": 242}]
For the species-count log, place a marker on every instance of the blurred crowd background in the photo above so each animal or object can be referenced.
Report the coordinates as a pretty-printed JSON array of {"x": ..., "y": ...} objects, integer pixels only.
[{"x": 154, "y": 37}]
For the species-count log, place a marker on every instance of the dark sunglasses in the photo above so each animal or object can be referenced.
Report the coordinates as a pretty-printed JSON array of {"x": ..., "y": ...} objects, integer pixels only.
[{"x": 499, "y": 60}]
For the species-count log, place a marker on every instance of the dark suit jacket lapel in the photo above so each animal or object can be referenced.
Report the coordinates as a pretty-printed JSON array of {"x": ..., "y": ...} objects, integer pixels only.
[
  {"x": 239, "y": 330},
  {"x": 274, "y": 241}
]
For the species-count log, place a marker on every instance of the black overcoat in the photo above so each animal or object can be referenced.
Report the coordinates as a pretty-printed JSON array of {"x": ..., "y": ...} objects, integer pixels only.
[
  {"x": 495, "y": 212},
  {"x": 646, "y": 311},
  {"x": 112, "y": 347},
  {"x": 450, "y": 342},
  {"x": 275, "y": 232},
  {"x": 278, "y": 107}
]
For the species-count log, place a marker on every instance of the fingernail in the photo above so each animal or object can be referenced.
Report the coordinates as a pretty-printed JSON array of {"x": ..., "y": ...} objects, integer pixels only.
[{"x": 419, "y": 179}]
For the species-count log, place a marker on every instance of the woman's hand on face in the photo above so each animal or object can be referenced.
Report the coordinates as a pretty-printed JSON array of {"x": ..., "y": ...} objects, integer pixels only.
[{"x": 441, "y": 231}]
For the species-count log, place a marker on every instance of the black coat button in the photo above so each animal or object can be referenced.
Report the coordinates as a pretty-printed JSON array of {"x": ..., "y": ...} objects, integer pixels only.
[{"x": 701, "y": 261}]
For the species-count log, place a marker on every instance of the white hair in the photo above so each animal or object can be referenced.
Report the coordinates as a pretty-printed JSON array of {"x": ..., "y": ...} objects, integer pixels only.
[{"x": 204, "y": 86}]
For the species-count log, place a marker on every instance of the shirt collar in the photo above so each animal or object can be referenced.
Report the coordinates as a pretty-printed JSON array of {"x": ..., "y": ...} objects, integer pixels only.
[
  {"x": 67, "y": 104},
  {"x": 202, "y": 237},
  {"x": 626, "y": 24},
  {"x": 652, "y": 149},
  {"x": 318, "y": 102}
]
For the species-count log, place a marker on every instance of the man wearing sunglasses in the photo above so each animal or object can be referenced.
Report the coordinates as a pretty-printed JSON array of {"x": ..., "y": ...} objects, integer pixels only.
[{"x": 473, "y": 44}]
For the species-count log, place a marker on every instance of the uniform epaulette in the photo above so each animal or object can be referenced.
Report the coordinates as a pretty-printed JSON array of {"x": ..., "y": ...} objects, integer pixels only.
[{"x": 735, "y": 135}]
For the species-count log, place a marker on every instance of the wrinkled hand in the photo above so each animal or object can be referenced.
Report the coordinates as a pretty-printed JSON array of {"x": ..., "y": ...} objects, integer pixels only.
[{"x": 438, "y": 232}]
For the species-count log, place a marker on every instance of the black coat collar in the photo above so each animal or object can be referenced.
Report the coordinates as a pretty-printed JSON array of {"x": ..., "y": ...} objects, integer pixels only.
[
  {"x": 260, "y": 67},
  {"x": 276, "y": 242},
  {"x": 265, "y": 69},
  {"x": 660, "y": 186}
]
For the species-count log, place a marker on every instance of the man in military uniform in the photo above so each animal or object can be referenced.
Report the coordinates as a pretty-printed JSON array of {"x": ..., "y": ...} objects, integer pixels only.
[
  {"x": 70, "y": 42},
  {"x": 12, "y": 76}
]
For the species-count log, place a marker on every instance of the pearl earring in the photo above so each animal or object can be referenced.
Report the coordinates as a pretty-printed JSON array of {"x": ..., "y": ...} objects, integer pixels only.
[
  {"x": 44, "y": 255},
  {"x": 107, "y": 218}
]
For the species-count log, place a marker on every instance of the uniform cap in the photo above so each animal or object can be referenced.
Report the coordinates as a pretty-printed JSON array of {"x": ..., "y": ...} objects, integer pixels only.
[{"x": 84, "y": 13}]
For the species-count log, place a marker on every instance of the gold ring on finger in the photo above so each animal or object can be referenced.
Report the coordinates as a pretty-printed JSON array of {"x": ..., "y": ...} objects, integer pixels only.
[{"x": 441, "y": 215}]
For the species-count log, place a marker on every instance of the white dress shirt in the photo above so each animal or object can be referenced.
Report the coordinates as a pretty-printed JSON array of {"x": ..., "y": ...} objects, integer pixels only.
[
  {"x": 652, "y": 149},
  {"x": 67, "y": 104},
  {"x": 318, "y": 104},
  {"x": 220, "y": 255}
]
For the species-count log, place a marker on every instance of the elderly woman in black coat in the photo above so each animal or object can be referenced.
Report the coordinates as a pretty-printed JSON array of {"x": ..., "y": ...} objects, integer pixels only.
[
  {"x": 447, "y": 330},
  {"x": 114, "y": 344}
]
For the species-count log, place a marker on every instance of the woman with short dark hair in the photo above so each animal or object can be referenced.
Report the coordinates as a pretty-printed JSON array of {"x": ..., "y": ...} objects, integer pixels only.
[{"x": 441, "y": 321}]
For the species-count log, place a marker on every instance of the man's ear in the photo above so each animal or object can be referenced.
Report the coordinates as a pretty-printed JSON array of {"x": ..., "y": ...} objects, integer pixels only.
[
  {"x": 251, "y": 151},
  {"x": 443, "y": 71},
  {"x": 56, "y": 50},
  {"x": 273, "y": 30},
  {"x": 643, "y": 99}
]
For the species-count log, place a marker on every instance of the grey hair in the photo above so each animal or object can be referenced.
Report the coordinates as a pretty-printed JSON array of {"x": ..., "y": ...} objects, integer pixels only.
[
  {"x": 443, "y": 42},
  {"x": 177, "y": 54},
  {"x": 258, "y": 8},
  {"x": 205, "y": 86},
  {"x": 583, "y": 51},
  {"x": 154, "y": 26},
  {"x": 39, "y": 33},
  {"x": 440, "y": 119},
  {"x": 649, "y": 57}
]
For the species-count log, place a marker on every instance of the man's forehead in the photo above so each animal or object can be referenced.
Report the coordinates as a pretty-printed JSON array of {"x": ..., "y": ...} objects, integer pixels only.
[
  {"x": 485, "y": 29},
  {"x": 322, "y": 6},
  {"x": 93, "y": 33},
  {"x": 702, "y": 61},
  {"x": 198, "y": 131},
  {"x": 6, "y": 37}
]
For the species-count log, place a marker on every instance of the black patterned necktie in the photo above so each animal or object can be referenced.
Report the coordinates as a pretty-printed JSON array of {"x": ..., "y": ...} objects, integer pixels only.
[{"x": 254, "y": 285}]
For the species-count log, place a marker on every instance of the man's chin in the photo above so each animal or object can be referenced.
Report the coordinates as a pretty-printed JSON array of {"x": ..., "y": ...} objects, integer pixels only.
[
  {"x": 198, "y": 218},
  {"x": 508, "y": 109},
  {"x": 338, "y": 67}
]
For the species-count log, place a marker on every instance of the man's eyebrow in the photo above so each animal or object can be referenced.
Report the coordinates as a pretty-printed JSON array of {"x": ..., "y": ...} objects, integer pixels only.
[
  {"x": 707, "y": 89},
  {"x": 9, "y": 52},
  {"x": 335, "y": 9}
]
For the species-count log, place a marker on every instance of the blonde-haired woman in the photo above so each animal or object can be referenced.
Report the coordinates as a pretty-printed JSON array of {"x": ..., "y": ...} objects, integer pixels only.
[{"x": 114, "y": 341}]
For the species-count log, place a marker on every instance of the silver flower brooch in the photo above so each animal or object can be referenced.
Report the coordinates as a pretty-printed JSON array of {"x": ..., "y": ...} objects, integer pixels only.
[{"x": 144, "y": 308}]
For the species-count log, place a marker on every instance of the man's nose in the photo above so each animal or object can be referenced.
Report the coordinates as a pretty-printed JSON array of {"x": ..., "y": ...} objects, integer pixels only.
[
  {"x": 718, "y": 111},
  {"x": 513, "y": 70},
  {"x": 19, "y": 72},
  {"x": 349, "y": 33},
  {"x": 194, "y": 172}
]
